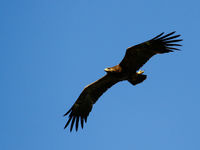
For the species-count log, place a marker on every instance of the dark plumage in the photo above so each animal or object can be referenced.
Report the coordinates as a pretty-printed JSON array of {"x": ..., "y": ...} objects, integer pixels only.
[{"x": 135, "y": 57}]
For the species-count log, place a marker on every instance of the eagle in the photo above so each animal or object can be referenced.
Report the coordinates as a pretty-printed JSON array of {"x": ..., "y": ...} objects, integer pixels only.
[{"x": 135, "y": 57}]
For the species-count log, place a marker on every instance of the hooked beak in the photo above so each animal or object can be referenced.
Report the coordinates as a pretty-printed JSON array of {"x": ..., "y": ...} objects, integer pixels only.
[{"x": 106, "y": 69}]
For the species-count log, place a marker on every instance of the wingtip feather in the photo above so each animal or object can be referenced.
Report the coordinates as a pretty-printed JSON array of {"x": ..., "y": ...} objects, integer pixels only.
[
  {"x": 82, "y": 123},
  {"x": 167, "y": 42},
  {"x": 67, "y": 112},
  {"x": 77, "y": 121},
  {"x": 72, "y": 124},
  {"x": 172, "y": 41},
  {"x": 68, "y": 122},
  {"x": 158, "y": 36},
  {"x": 167, "y": 35}
]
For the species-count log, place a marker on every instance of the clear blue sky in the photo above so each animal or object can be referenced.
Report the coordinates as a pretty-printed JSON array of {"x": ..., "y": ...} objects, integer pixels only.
[{"x": 51, "y": 49}]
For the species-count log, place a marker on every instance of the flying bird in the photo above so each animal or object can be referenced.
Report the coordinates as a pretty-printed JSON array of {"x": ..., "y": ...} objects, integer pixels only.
[{"x": 135, "y": 57}]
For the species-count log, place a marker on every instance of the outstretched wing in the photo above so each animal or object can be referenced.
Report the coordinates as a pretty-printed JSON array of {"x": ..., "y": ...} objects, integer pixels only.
[
  {"x": 136, "y": 56},
  {"x": 83, "y": 105}
]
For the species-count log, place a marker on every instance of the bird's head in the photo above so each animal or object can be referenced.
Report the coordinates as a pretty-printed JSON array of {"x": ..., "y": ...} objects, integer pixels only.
[
  {"x": 108, "y": 69},
  {"x": 115, "y": 69}
]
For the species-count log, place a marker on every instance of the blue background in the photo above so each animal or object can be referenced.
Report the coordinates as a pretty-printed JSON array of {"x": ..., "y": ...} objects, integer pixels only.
[{"x": 51, "y": 49}]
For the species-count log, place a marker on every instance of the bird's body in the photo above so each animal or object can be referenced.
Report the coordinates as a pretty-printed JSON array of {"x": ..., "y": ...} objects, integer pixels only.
[{"x": 135, "y": 58}]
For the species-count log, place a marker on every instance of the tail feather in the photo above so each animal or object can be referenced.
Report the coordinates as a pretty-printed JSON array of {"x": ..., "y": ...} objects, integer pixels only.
[{"x": 136, "y": 79}]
